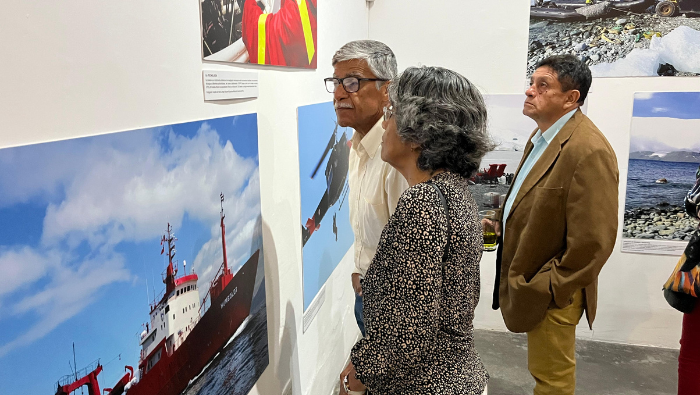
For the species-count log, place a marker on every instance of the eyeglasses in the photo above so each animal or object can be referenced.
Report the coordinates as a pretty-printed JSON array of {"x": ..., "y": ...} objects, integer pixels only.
[
  {"x": 350, "y": 84},
  {"x": 388, "y": 113}
]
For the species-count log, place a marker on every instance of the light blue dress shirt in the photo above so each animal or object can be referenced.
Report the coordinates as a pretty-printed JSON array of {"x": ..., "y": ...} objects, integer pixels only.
[{"x": 540, "y": 142}]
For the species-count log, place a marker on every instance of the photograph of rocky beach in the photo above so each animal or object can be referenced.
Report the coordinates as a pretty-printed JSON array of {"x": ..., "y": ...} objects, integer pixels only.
[
  {"x": 619, "y": 38},
  {"x": 663, "y": 160},
  {"x": 655, "y": 192}
]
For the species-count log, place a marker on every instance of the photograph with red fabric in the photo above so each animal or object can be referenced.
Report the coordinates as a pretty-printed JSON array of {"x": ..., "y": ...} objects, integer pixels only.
[{"x": 269, "y": 32}]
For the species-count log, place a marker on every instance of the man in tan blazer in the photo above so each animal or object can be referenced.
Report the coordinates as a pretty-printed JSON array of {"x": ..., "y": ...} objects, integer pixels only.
[{"x": 559, "y": 224}]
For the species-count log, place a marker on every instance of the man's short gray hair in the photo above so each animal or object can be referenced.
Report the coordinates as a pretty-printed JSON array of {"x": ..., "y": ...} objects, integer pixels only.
[
  {"x": 444, "y": 114},
  {"x": 379, "y": 57}
]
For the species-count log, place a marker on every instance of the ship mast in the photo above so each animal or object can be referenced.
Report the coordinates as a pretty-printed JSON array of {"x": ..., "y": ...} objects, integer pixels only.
[
  {"x": 223, "y": 235},
  {"x": 171, "y": 272}
]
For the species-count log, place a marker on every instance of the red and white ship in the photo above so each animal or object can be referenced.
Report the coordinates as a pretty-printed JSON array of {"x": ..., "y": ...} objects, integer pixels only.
[{"x": 182, "y": 338}]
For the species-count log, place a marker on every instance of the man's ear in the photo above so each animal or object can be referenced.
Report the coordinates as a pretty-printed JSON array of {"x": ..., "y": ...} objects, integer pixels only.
[
  {"x": 385, "y": 91},
  {"x": 572, "y": 97}
]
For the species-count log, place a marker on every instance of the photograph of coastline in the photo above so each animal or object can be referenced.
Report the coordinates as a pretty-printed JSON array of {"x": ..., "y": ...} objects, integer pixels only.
[
  {"x": 265, "y": 32},
  {"x": 323, "y": 170},
  {"x": 664, "y": 157},
  {"x": 133, "y": 261},
  {"x": 619, "y": 38}
]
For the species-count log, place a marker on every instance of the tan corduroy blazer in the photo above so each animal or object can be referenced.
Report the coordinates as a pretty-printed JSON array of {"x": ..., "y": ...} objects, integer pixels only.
[{"x": 561, "y": 228}]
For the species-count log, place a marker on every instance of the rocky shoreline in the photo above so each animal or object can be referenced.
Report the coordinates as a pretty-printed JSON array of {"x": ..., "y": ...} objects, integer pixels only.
[
  {"x": 480, "y": 190},
  {"x": 658, "y": 223},
  {"x": 602, "y": 40}
]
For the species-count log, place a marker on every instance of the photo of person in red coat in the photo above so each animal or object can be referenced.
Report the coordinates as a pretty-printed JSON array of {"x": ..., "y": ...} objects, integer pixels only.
[{"x": 269, "y": 32}]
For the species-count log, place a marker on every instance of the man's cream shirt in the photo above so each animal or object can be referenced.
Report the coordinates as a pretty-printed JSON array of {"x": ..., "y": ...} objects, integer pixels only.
[{"x": 375, "y": 188}]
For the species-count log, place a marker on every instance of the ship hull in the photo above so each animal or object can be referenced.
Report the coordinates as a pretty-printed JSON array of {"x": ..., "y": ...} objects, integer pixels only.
[{"x": 172, "y": 373}]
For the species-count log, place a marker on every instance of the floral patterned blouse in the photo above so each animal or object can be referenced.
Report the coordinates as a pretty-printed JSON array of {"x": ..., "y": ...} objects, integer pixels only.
[{"x": 419, "y": 321}]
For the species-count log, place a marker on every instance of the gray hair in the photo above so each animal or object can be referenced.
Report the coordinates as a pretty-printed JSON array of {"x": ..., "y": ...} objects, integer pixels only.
[
  {"x": 379, "y": 57},
  {"x": 445, "y": 114}
]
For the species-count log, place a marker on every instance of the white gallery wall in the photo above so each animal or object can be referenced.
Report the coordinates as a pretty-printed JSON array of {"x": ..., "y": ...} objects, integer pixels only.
[
  {"x": 76, "y": 68},
  {"x": 72, "y": 69},
  {"x": 487, "y": 43}
]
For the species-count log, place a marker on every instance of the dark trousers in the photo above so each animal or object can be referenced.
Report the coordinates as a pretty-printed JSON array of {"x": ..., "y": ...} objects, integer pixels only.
[
  {"x": 358, "y": 314},
  {"x": 689, "y": 357}
]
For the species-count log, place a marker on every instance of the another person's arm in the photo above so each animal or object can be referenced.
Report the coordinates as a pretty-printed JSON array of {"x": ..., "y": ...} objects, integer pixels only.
[
  {"x": 394, "y": 185},
  {"x": 407, "y": 327},
  {"x": 692, "y": 199}
]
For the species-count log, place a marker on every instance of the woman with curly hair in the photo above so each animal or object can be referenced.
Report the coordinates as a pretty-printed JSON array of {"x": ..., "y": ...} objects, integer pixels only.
[{"x": 422, "y": 286}]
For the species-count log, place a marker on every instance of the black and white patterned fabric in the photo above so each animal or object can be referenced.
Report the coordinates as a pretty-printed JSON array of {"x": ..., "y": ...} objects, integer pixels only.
[
  {"x": 419, "y": 325},
  {"x": 692, "y": 199}
]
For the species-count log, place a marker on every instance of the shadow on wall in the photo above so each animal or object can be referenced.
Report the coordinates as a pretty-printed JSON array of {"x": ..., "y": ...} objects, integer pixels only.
[
  {"x": 282, "y": 347},
  {"x": 330, "y": 325}
]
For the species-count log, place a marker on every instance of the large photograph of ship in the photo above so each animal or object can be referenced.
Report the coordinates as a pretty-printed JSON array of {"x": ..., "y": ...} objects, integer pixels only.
[
  {"x": 132, "y": 263},
  {"x": 663, "y": 161},
  {"x": 326, "y": 235},
  {"x": 619, "y": 38},
  {"x": 265, "y": 32}
]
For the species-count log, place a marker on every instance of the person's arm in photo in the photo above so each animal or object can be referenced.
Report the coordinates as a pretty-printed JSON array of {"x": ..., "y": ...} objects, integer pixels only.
[
  {"x": 407, "y": 327},
  {"x": 283, "y": 26}
]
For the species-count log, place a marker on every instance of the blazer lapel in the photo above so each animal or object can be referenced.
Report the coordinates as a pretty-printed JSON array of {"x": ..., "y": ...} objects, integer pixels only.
[{"x": 549, "y": 156}]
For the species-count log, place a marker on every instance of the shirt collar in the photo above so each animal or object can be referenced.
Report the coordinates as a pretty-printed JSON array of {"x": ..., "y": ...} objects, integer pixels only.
[
  {"x": 370, "y": 142},
  {"x": 549, "y": 134}
]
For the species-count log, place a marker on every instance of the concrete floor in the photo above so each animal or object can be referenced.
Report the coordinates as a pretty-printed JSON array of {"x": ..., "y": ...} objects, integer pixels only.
[{"x": 602, "y": 368}]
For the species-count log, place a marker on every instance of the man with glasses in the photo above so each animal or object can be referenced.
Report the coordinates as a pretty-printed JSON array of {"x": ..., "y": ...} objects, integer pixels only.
[{"x": 361, "y": 72}]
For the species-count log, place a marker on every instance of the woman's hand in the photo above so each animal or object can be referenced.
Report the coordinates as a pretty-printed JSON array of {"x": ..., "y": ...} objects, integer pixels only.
[{"x": 353, "y": 384}]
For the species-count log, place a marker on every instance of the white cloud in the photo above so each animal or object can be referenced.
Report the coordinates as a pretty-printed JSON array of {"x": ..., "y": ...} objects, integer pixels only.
[
  {"x": 659, "y": 109},
  {"x": 643, "y": 95},
  {"x": 660, "y": 134},
  {"x": 22, "y": 266},
  {"x": 242, "y": 218},
  {"x": 106, "y": 190},
  {"x": 70, "y": 289},
  {"x": 507, "y": 125},
  {"x": 41, "y": 171},
  {"x": 127, "y": 196}
]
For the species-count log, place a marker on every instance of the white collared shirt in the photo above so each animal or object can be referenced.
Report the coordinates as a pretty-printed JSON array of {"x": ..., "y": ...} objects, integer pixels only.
[{"x": 375, "y": 188}]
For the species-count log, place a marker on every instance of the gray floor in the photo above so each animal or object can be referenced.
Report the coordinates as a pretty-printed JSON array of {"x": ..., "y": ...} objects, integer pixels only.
[{"x": 602, "y": 368}]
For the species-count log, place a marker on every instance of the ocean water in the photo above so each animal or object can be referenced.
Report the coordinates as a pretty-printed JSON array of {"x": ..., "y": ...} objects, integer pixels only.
[
  {"x": 237, "y": 368},
  {"x": 643, "y": 191}
]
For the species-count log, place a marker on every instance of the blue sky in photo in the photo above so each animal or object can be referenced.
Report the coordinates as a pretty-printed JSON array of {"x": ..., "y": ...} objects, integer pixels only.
[
  {"x": 80, "y": 238},
  {"x": 682, "y": 105},
  {"x": 664, "y": 122},
  {"x": 322, "y": 252}
]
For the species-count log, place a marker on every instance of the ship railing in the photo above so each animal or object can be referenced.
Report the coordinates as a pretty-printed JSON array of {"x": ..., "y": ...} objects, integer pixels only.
[
  {"x": 202, "y": 306},
  {"x": 71, "y": 378},
  {"x": 157, "y": 300}
]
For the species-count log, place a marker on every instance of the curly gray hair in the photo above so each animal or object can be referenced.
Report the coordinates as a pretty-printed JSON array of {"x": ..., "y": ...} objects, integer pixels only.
[
  {"x": 445, "y": 114},
  {"x": 379, "y": 57}
]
